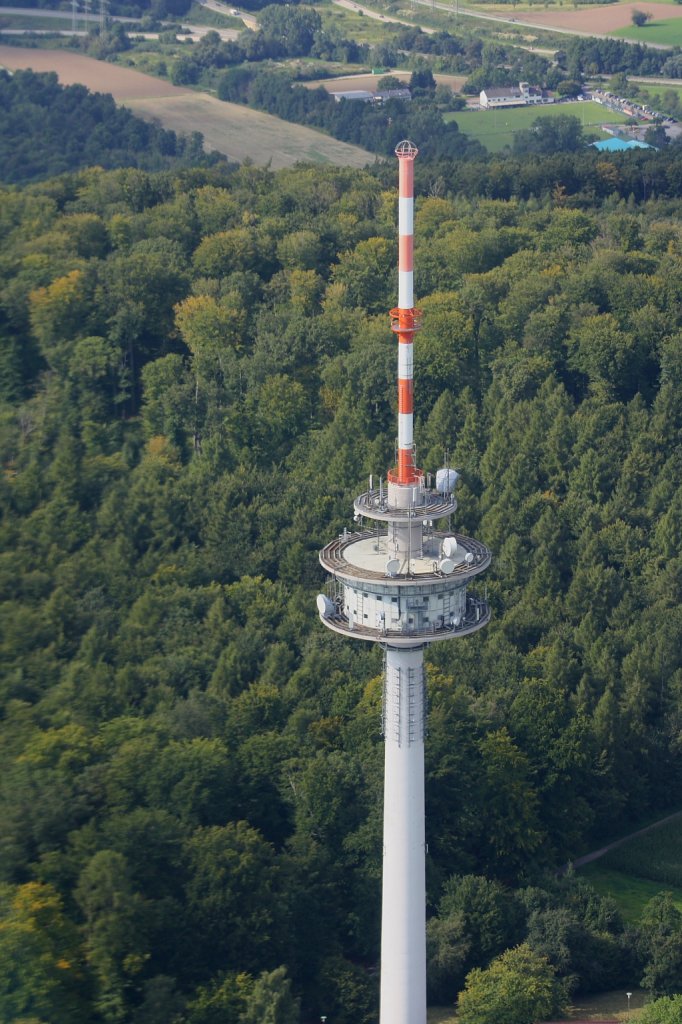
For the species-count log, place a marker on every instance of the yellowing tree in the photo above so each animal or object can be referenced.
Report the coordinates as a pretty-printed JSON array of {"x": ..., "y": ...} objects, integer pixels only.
[
  {"x": 40, "y": 961},
  {"x": 58, "y": 315}
]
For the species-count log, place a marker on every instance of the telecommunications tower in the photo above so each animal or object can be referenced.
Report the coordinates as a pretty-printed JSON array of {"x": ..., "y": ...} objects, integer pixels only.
[{"x": 402, "y": 583}]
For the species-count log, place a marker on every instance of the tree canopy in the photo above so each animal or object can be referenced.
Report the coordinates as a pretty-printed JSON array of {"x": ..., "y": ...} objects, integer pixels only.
[{"x": 197, "y": 375}]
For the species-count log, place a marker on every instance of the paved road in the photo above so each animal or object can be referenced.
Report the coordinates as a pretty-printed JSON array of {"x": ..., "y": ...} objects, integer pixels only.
[
  {"x": 195, "y": 31},
  {"x": 358, "y": 8},
  {"x": 47, "y": 12},
  {"x": 220, "y": 8}
]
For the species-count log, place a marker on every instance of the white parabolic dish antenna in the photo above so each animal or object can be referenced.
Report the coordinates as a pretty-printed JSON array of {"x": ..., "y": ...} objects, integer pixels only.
[
  {"x": 450, "y": 547},
  {"x": 446, "y": 565},
  {"x": 324, "y": 606}
]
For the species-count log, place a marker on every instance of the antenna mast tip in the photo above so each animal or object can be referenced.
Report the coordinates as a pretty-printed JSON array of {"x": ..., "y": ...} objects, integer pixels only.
[{"x": 406, "y": 150}]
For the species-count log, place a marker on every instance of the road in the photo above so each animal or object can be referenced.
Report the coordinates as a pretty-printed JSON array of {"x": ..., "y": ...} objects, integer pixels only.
[
  {"x": 47, "y": 12},
  {"x": 359, "y": 9},
  {"x": 220, "y": 8},
  {"x": 195, "y": 32}
]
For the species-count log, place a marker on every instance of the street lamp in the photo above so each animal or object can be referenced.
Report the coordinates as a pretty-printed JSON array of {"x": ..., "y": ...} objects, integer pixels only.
[{"x": 629, "y": 995}]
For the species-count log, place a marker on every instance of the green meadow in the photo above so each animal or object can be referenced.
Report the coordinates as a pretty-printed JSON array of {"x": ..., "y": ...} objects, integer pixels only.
[
  {"x": 666, "y": 31},
  {"x": 630, "y": 893},
  {"x": 639, "y": 869},
  {"x": 495, "y": 129}
]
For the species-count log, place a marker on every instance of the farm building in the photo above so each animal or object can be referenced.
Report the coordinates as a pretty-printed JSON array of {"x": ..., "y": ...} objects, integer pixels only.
[
  {"x": 378, "y": 97},
  {"x": 521, "y": 95},
  {"x": 354, "y": 94}
]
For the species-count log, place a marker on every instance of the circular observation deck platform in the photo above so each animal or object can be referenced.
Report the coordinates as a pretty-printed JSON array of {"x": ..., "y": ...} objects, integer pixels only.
[
  {"x": 362, "y": 557},
  {"x": 477, "y": 616},
  {"x": 374, "y": 505}
]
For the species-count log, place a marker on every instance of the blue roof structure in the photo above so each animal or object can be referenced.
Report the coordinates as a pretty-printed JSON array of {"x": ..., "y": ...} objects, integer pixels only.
[{"x": 615, "y": 145}]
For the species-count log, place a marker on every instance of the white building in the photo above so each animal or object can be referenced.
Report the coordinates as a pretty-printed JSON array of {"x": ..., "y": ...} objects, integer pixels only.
[{"x": 521, "y": 95}]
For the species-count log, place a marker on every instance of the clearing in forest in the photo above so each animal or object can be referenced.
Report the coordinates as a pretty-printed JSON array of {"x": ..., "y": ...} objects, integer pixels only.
[
  {"x": 635, "y": 869},
  {"x": 237, "y": 131}
]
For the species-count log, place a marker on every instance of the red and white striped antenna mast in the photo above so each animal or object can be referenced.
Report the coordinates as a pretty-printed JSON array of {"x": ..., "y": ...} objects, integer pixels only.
[{"x": 405, "y": 319}]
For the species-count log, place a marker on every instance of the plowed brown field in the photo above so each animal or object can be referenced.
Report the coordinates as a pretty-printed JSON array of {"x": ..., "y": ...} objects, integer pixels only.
[
  {"x": 598, "y": 20},
  {"x": 73, "y": 68},
  {"x": 371, "y": 82}
]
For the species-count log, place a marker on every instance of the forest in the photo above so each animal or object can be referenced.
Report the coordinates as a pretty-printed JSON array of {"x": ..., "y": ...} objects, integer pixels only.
[
  {"x": 197, "y": 375},
  {"x": 47, "y": 129}
]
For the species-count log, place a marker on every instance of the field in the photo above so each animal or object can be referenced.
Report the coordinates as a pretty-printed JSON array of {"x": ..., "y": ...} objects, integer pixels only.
[
  {"x": 637, "y": 870},
  {"x": 630, "y": 893},
  {"x": 198, "y": 15},
  {"x": 362, "y": 28},
  {"x": 656, "y": 855},
  {"x": 73, "y": 68},
  {"x": 495, "y": 128},
  {"x": 662, "y": 31},
  {"x": 36, "y": 24},
  {"x": 240, "y": 132},
  {"x": 655, "y": 97},
  {"x": 231, "y": 129},
  {"x": 597, "y": 20},
  {"x": 657, "y": 92},
  {"x": 371, "y": 82}
]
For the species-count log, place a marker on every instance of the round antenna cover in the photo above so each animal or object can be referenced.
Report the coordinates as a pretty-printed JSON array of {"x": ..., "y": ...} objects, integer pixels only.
[
  {"x": 392, "y": 567},
  {"x": 446, "y": 480},
  {"x": 468, "y": 558},
  {"x": 324, "y": 606},
  {"x": 446, "y": 565},
  {"x": 450, "y": 547}
]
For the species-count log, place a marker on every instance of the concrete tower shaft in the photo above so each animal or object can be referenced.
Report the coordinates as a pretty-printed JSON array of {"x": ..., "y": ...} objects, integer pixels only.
[{"x": 403, "y": 583}]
